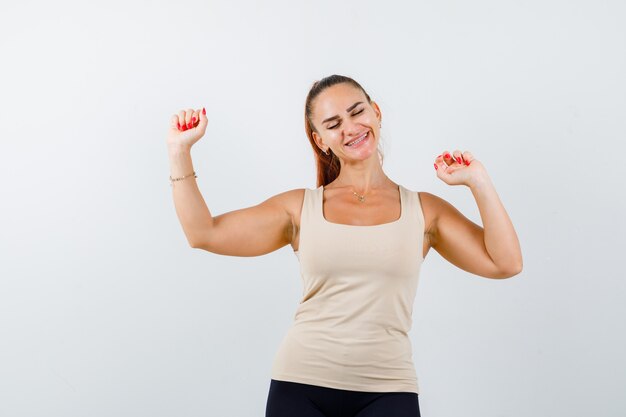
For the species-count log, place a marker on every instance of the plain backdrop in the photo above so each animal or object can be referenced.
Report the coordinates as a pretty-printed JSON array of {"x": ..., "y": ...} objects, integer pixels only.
[{"x": 105, "y": 310}]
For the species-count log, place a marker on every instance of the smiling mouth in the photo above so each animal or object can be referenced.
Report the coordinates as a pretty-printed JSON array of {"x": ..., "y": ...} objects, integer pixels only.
[{"x": 358, "y": 140}]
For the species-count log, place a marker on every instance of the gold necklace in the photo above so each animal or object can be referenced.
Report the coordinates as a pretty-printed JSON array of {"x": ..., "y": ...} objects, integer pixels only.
[{"x": 359, "y": 196}]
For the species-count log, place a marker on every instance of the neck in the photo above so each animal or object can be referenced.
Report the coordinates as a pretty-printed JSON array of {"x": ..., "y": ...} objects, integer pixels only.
[{"x": 362, "y": 177}]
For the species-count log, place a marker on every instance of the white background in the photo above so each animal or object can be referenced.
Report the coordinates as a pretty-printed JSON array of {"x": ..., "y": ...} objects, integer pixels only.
[{"x": 106, "y": 311}]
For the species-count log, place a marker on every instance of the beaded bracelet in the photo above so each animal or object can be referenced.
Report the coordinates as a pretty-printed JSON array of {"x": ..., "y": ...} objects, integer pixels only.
[{"x": 182, "y": 178}]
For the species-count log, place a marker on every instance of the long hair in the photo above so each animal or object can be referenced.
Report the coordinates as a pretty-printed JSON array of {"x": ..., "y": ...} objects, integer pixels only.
[{"x": 328, "y": 166}]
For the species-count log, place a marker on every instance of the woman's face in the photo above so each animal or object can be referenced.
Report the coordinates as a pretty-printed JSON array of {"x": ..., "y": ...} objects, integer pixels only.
[{"x": 341, "y": 114}]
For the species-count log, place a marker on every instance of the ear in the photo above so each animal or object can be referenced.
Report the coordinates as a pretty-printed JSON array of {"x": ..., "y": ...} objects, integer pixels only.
[
  {"x": 318, "y": 140},
  {"x": 379, "y": 115}
]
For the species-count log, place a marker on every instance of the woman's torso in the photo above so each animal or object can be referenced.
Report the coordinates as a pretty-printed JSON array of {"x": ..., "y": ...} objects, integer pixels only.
[{"x": 351, "y": 326}]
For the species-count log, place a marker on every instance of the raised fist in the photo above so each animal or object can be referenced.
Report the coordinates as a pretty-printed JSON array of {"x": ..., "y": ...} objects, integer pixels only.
[{"x": 186, "y": 128}]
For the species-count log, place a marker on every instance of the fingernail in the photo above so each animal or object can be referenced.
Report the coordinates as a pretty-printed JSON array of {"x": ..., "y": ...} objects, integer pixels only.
[
  {"x": 458, "y": 159},
  {"x": 436, "y": 167},
  {"x": 203, "y": 111},
  {"x": 466, "y": 162},
  {"x": 193, "y": 120},
  {"x": 188, "y": 125},
  {"x": 178, "y": 125},
  {"x": 447, "y": 156}
]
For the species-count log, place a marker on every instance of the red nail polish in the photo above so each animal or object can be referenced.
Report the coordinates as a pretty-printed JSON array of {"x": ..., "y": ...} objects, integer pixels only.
[
  {"x": 466, "y": 162},
  {"x": 183, "y": 127},
  {"x": 189, "y": 125},
  {"x": 458, "y": 159},
  {"x": 203, "y": 111},
  {"x": 178, "y": 125},
  {"x": 436, "y": 167},
  {"x": 447, "y": 156},
  {"x": 193, "y": 120}
]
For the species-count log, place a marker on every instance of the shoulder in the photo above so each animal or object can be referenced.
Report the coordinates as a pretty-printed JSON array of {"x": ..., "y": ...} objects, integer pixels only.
[
  {"x": 432, "y": 203},
  {"x": 433, "y": 208},
  {"x": 430, "y": 200},
  {"x": 437, "y": 211},
  {"x": 289, "y": 201}
]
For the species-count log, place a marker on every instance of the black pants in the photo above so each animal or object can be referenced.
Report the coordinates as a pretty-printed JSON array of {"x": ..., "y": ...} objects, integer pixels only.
[{"x": 293, "y": 399}]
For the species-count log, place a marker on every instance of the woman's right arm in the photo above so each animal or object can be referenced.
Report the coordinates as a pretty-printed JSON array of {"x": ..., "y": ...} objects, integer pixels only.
[{"x": 251, "y": 231}]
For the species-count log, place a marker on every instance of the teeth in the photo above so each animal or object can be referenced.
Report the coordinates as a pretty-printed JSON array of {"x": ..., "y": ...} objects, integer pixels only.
[{"x": 357, "y": 141}]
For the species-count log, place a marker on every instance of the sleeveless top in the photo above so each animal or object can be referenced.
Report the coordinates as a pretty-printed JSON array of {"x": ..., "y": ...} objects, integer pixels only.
[{"x": 350, "y": 329}]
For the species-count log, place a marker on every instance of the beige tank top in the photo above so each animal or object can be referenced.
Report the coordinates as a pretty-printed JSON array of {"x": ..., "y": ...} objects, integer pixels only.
[{"x": 350, "y": 329}]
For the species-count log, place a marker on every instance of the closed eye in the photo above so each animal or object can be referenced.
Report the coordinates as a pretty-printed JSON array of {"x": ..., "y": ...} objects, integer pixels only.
[{"x": 353, "y": 114}]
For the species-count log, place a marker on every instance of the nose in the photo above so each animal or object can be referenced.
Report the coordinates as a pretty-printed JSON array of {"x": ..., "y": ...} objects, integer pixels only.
[{"x": 351, "y": 129}]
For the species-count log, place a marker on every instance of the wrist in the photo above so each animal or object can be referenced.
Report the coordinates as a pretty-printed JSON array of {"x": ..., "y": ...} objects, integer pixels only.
[
  {"x": 479, "y": 181},
  {"x": 178, "y": 149}
]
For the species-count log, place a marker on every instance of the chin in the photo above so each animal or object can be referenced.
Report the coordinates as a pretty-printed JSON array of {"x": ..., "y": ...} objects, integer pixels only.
[{"x": 364, "y": 155}]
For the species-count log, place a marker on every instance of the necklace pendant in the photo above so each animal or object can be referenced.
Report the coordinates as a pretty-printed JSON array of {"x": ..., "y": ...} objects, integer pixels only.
[{"x": 359, "y": 196}]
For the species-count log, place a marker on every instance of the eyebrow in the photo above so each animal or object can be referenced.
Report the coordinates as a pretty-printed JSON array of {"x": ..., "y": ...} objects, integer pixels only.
[{"x": 349, "y": 109}]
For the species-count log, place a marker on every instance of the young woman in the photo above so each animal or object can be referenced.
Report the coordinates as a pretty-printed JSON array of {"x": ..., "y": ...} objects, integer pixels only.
[{"x": 360, "y": 239}]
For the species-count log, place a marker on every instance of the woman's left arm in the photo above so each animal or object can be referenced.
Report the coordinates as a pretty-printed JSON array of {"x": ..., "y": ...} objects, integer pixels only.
[{"x": 492, "y": 251}]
